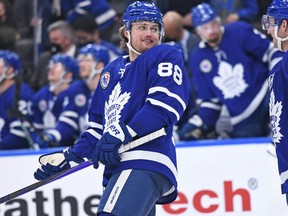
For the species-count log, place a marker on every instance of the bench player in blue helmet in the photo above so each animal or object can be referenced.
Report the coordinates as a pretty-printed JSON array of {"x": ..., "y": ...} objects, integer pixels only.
[
  {"x": 49, "y": 101},
  {"x": 137, "y": 95},
  {"x": 276, "y": 24},
  {"x": 91, "y": 59},
  {"x": 230, "y": 69},
  {"x": 15, "y": 104}
]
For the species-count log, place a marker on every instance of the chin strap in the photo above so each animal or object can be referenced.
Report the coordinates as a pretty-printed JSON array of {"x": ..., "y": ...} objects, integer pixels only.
[
  {"x": 279, "y": 40},
  {"x": 5, "y": 76},
  {"x": 54, "y": 85},
  {"x": 93, "y": 72},
  {"x": 130, "y": 46}
]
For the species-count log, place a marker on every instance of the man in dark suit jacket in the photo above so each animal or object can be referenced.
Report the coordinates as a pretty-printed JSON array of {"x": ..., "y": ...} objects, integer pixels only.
[{"x": 63, "y": 40}]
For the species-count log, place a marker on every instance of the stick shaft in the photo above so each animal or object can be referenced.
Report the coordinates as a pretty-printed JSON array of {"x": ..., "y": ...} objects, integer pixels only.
[{"x": 154, "y": 135}]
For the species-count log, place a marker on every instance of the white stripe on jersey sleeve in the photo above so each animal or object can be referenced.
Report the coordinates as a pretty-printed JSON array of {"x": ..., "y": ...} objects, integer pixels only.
[
  {"x": 165, "y": 106},
  {"x": 210, "y": 105},
  {"x": 69, "y": 121},
  {"x": 95, "y": 125},
  {"x": 94, "y": 133},
  {"x": 170, "y": 94},
  {"x": 17, "y": 132}
]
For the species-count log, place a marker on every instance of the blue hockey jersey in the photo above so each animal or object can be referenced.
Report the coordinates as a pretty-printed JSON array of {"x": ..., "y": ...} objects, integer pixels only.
[
  {"x": 146, "y": 94},
  {"x": 278, "y": 89},
  {"x": 48, "y": 110},
  {"x": 233, "y": 74},
  {"x": 12, "y": 135},
  {"x": 74, "y": 116}
]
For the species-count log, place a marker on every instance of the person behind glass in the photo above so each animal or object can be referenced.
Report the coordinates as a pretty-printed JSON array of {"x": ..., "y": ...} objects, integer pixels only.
[
  {"x": 87, "y": 32},
  {"x": 62, "y": 41},
  {"x": 148, "y": 85},
  {"x": 230, "y": 69},
  {"x": 51, "y": 11},
  {"x": 230, "y": 11},
  {"x": 91, "y": 59},
  {"x": 49, "y": 101},
  {"x": 8, "y": 27},
  {"x": 15, "y": 104},
  {"x": 276, "y": 24},
  {"x": 176, "y": 33}
]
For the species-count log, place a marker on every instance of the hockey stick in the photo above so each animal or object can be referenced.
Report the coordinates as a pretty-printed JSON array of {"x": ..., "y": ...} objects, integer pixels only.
[
  {"x": 142, "y": 140},
  {"x": 14, "y": 111}
]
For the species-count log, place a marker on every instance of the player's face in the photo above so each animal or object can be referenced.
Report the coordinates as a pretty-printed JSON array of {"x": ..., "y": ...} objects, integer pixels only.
[
  {"x": 281, "y": 32},
  {"x": 144, "y": 35},
  {"x": 86, "y": 64},
  {"x": 2, "y": 66},
  {"x": 56, "y": 72},
  {"x": 2, "y": 70},
  {"x": 210, "y": 32}
]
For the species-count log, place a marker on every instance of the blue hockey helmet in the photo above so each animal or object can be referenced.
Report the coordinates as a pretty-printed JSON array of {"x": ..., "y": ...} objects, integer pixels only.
[
  {"x": 143, "y": 11},
  {"x": 11, "y": 59},
  {"x": 278, "y": 10},
  {"x": 98, "y": 52},
  {"x": 70, "y": 63},
  {"x": 202, "y": 14}
]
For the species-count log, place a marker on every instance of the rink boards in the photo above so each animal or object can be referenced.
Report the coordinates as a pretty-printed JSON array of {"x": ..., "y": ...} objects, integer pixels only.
[{"x": 218, "y": 178}]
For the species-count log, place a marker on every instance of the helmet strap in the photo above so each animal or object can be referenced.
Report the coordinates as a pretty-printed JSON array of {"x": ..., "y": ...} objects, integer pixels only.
[
  {"x": 128, "y": 44},
  {"x": 279, "y": 40},
  {"x": 4, "y": 75},
  {"x": 94, "y": 72},
  {"x": 55, "y": 85}
]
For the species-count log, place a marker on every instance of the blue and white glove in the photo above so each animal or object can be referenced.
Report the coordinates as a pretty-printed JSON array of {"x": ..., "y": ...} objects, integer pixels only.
[
  {"x": 56, "y": 162},
  {"x": 192, "y": 130},
  {"x": 47, "y": 140},
  {"x": 106, "y": 150}
]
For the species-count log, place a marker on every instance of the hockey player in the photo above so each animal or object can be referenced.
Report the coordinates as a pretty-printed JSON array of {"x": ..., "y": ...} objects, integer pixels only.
[
  {"x": 137, "y": 95},
  {"x": 49, "y": 101},
  {"x": 230, "y": 69},
  {"x": 91, "y": 59},
  {"x": 15, "y": 104},
  {"x": 276, "y": 24}
]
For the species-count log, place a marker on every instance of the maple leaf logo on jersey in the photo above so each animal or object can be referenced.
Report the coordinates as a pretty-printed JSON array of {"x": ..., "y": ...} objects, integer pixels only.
[
  {"x": 275, "y": 109},
  {"x": 114, "y": 106},
  {"x": 230, "y": 80}
]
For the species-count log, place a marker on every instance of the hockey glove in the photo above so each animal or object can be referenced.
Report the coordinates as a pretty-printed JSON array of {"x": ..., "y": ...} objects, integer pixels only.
[
  {"x": 46, "y": 141},
  {"x": 192, "y": 130},
  {"x": 106, "y": 150},
  {"x": 56, "y": 162}
]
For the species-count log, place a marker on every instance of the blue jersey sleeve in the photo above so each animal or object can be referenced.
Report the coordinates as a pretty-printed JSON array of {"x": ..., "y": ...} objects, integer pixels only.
[
  {"x": 168, "y": 89},
  {"x": 74, "y": 110},
  {"x": 14, "y": 129}
]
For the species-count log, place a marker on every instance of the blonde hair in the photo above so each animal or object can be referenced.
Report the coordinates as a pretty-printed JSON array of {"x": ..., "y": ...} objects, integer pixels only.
[{"x": 123, "y": 38}]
